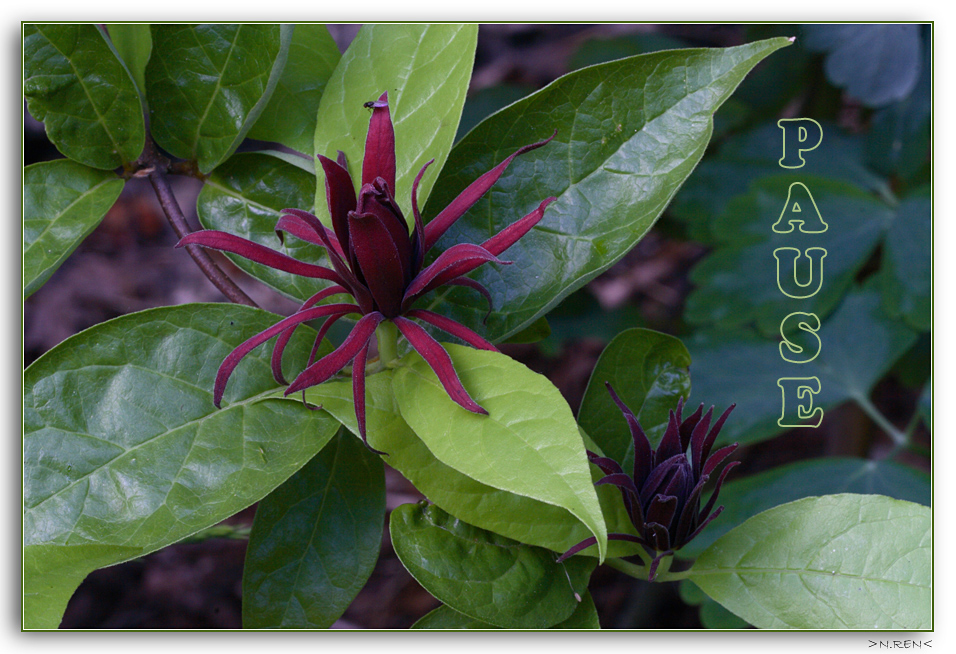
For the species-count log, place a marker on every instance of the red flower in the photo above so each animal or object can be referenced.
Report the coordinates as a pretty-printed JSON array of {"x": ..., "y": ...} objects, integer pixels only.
[{"x": 377, "y": 262}]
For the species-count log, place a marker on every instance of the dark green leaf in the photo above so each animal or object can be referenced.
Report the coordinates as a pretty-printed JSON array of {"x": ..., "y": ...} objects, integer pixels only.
[
  {"x": 648, "y": 371},
  {"x": 426, "y": 70},
  {"x": 83, "y": 95},
  {"x": 629, "y": 133},
  {"x": 832, "y": 562},
  {"x": 244, "y": 196},
  {"x": 875, "y": 63},
  {"x": 124, "y": 449},
  {"x": 133, "y": 43},
  {"x": 207, "y": 84},
  {"x": 522, "y": 518},
  {"x": 528, "y": 444},
  {"x": 289, "y": 118},
  {"x": 444, "y": 617},
  {"x": 745, "y": 498},
  {"x": 859, "y": 344},
  {"x": 63, "y": 202},
  {"x": 907, "y": 273},
  {"x": 315, "y": 540},
  {"x": 484, "y": 575}
]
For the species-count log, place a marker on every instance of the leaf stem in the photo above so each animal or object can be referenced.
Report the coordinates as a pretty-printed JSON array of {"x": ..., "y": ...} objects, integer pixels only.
[
  {"x": 899, "y": 438},
  {"x": 387, "y": 336}
]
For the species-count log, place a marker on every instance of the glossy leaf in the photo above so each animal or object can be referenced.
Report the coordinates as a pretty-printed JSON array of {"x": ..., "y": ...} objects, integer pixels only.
[
  {"x": 649, "y": 372},
  {"x": 483, "y": 575},
  {"x": 832, "y": 562},
  {"x": 244, "y": 196},
  {"x": 426, "y": 70},
  {"x": 859, "y": 345},
  {"x": 80, "y": 91},
  {"x": 629, "y": 133},
  {"x": 63, "y": 202},
  {"x": 528, "y": 444},
  {"x": 746, "y": 497},
  {"x": 906, "y": 272},
  {"x": 315, "y": 540},
  {"x": 289, "y": 118},
  {"x": 123, "y": 448},
  {"x": 207, "y": 84},
  {"x": 444, "y": 617},
  {"x": 133, "y": 43},
  {"x": 727, "y": 297},
  {"x": 515, "y": 516},
  {"x": 875, "y": 63}
]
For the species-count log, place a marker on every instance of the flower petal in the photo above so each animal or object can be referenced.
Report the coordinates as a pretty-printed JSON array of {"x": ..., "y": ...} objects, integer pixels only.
[
  {"x": 259, "y": 253},
  {"x": 380, "y": 145},
  {"x": 230, "y": 362},
  {"x": 467, "y": 198},
  {"x": 510, "y": 234},
  {"x": 439, "y": 361},
  {"x": 323, "y": 369},
  {"x": 452, "y": 327}
]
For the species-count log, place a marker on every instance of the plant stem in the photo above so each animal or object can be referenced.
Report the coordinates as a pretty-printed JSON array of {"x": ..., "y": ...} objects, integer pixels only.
[
  {"x": 157, "y": 166},
  {"x": 899, "y": 438},
  {"x": 387, "y": 335}
]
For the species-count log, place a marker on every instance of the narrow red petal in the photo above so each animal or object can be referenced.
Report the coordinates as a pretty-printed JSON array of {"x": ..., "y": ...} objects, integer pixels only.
[
  {"x": 379, "y": 158},
  {"x": 452, "y": 327},
  {"x": 230, "y": 362},
  {"x": 467, "y": 198},
  {"x": 331, "y": 363},
  {"x": 340, "y": 196},
  {"x": 439, "y": 361},
  {"x": 510, "y": 234},
  {"x": 454, "y": 262},
  {"x": 259, "y": 253}
]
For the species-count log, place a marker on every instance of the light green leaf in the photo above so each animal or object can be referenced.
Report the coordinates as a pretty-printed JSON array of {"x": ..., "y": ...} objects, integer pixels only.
[
  {"x": 629, "y": 133},
  {"x": 648, "y": 371},
  {"x": 859, "y": 345},
  {"x": 484, "y": 575},
  {"x": 83, "y": 95},
  {"x": 244, "y": 196},
  {"x": 289, "y": 118},
  {"x": 528, "y": 444},
  {"x": 315, "y": 540},
  {"x": 123, "y": 448},
  {"x": 206, "y": 85},
  {"x": 444, "y": 617},
  {"x": 134, "y": 44},
  {"x": 63, "y": 202},
  {"x": 745, "y": 498},
  {"x": 832, "y": 562},
  {"x": 907, "y": 273},
  {"x": 426, "y": 70},
  {"x": 518, "y": 517}
]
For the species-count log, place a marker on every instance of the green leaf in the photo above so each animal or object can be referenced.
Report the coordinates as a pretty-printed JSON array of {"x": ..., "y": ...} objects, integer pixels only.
[
  {"x": 876, "y": 64},
  {"x": 737, "y": 284},
  {"x": 426, "y": 70},
  {"x": 528, "y": 444},
  {"x": 244, "y": 196},
  {"x": 134, "y": 44},
  {"x": 124, "y": 449},
  {"x": 484, "y": 575},
  {"x": 649, "y": 372},
  {"x": 289, "y": 118},
  {"x": 859, "y": 344},
  {"x": 745, "y": 498},
  {"x": 444, "y": 617},
  {"x": 906, "y": 272},
  {"x": 84, "y": 96},
  {"x": 315, "y": 540},
  {"x": 629, "y": 133},
  {"x": 63, "y": 202},
  {"x": 518, "y": 517},
  {"x": 207, "y": 84},
  {"x": 833, "y": 562}
]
